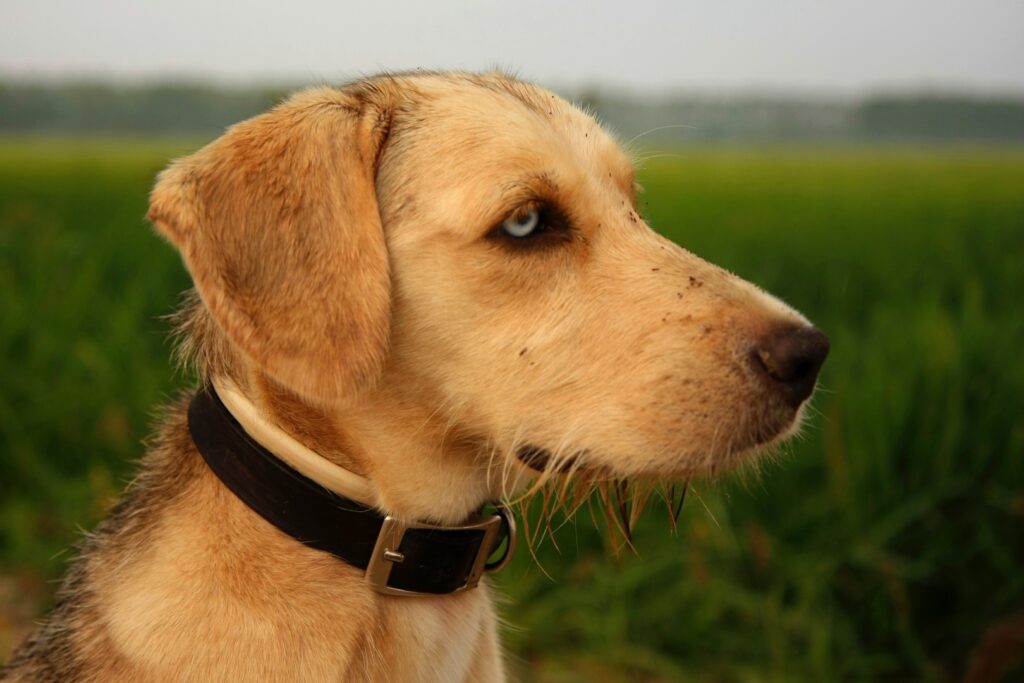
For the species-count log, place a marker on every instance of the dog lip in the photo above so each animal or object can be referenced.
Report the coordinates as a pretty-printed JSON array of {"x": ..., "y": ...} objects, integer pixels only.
[
  {"x": 538, "y": 459},
  {"x": 778, "y": 430}
]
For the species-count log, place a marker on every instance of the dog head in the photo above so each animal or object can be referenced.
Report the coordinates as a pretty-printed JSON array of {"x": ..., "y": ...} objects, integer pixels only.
[{"x": 471, "y": 245}]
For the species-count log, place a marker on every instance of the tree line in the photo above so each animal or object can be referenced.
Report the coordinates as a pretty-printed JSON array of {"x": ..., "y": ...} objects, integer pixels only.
[{"x": 83, "y": 108}]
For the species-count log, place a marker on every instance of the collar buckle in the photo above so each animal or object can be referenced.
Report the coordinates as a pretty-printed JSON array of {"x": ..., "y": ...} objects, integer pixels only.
[{"x": 387, "y": 551}]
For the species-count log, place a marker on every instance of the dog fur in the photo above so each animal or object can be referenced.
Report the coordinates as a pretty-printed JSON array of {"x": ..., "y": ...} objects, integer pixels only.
[{"x": 350, "y": 278}]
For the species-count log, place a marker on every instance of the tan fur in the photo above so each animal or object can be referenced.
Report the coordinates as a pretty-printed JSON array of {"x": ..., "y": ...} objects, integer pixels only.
[{"x": 346, "y": 281}]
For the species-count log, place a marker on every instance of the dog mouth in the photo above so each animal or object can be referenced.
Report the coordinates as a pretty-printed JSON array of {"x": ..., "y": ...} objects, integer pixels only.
[
  {"x": 539, "y": 459},
  {"x": 747, "y": 445},
  {"x": 542, "y": 460}
]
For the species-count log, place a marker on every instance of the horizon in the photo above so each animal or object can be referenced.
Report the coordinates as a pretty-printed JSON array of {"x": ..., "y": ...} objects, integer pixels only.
[
  {"x": 841, "y": 49},
  {"x": 754, "y": 93}
]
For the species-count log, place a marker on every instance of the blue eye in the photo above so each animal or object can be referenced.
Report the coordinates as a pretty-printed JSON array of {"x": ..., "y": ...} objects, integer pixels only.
[{"x": 521, "y": 224}]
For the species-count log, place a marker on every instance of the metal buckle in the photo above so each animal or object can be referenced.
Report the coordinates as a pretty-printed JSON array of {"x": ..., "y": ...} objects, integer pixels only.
[{"x": 386, "y": 551}]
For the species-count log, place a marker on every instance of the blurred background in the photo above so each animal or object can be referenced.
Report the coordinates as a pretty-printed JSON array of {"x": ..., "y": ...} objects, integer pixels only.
[{"x": 863, "y": 160}]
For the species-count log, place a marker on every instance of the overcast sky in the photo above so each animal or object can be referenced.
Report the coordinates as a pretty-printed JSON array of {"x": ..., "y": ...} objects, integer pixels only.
[{"x": 835, "y": 46}]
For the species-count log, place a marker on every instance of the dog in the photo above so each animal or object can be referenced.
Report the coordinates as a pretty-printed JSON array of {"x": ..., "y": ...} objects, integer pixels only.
[{"x": 414, "y": 294}]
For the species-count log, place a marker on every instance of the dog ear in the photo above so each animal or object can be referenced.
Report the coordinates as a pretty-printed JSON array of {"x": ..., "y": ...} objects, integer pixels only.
[{"x": 277, "y": 222}]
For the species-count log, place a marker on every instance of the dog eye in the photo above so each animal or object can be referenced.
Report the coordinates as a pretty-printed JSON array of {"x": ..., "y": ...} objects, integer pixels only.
[
  {"x": 522, "y": 224},
  {"x": 536, "y": 225}
]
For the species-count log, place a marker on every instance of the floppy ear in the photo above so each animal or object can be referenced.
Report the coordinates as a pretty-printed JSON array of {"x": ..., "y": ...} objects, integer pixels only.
[{"x": 277, "y": 221}]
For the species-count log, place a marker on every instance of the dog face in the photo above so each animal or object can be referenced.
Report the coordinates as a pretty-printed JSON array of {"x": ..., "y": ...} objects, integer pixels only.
[
  {"x": 589, "y": 340},
  {"x": 472, "y": 244}
]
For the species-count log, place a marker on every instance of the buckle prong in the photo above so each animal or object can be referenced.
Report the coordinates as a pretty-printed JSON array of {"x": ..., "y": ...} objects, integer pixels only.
[{"x": 392, "y": 556}]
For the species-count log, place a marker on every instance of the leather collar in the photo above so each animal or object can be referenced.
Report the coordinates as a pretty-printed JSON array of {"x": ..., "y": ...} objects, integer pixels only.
[{"x": 399, "y": 558}]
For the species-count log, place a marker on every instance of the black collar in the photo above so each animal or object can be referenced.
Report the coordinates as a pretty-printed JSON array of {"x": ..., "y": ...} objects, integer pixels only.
[{"x": 399, "y": 558}]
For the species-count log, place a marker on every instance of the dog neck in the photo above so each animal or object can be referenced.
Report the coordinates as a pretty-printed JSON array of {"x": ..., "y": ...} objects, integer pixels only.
[
  {"x": 400, "y": 557},
  {"x": 381, "y": 452}
]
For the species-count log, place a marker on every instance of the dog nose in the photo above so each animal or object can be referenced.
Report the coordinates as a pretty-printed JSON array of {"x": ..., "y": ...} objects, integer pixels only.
[{"x": 790, "y": 359}]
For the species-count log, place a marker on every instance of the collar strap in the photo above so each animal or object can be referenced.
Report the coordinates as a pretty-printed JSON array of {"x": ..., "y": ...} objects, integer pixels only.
[
  {"x": 294, "y": 453},
  {"x": 400, "y": 558}
]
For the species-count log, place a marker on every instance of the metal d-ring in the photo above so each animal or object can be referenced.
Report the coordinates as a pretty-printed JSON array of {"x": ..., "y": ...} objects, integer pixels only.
[{"x": 509, "y": 521}]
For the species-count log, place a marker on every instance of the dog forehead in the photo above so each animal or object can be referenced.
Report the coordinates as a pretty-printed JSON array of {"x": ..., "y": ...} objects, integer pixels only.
[
  {"x": 464, "y": 143},
  {"x": 503, "y": 116}
]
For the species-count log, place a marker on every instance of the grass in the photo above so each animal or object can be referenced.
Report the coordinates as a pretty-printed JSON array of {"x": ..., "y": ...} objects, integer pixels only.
[{"x": 883, "y": 546}]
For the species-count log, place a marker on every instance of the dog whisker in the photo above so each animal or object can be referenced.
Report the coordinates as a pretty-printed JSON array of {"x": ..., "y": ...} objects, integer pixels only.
[{"x": 669, "y": 126}]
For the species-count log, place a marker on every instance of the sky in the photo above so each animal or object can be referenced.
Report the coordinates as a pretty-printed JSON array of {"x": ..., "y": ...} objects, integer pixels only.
[{"x": 827, "y": 46}]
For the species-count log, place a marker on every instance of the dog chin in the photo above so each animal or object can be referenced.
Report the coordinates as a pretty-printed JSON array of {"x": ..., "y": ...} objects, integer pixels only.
[
  {"x": 761, "y": 440},
  {"x": 757, "y": 444}
]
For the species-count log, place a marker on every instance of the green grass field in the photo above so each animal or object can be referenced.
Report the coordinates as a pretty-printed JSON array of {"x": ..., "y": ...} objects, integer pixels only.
[{"x": 883, "y": 545}]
